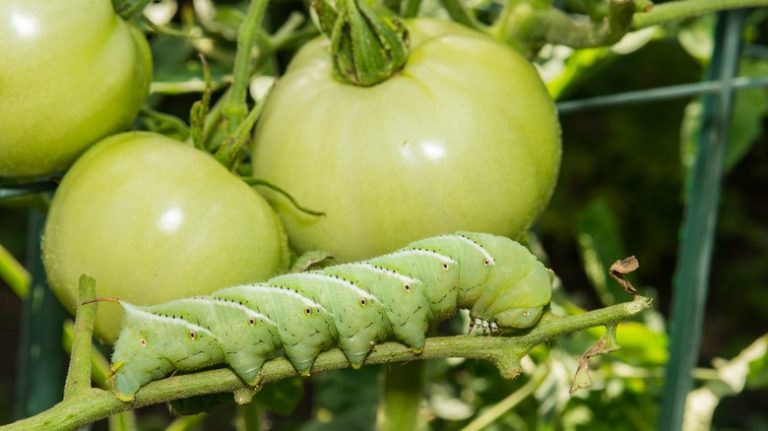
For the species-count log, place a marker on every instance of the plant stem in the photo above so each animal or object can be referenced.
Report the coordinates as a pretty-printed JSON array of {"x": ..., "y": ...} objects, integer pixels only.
[
  {"x": 508, "y": 403},
  {"x": 236, "y": 106},
  {"x": 528, "y": 28},
  {"x": 79, "y": 374},
  {"x": 411, "y": 8},
  {"x": 99, "y": 364},
  {"x": 230, "y": 154},
  {"x": 128, "y": 9},
  {"x": 94, "y": 404},
  {"x": 459, "y": 13},
  {"x": 249, "y": 417},
  {"x": 402, "y": 393},
  {"x": 13, "y": 273},
  {"x": 284, "y": 193},
  {"x": 678, "y": 10}
]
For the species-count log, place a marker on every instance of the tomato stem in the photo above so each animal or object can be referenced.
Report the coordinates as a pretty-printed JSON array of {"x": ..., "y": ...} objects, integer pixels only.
[
  {"x": 291, "y": 199},
  {"x": 368, "y": 46},
  {"x": 678, "y": 10},
  {"x": 236, "y": 106},
  {"x": 160, "y": 121},
  {"x": 79, "y": 374},
  {"x": 410, "y": 8},
  {"x": 231, "y": 153},
  {"x": 528, "y": 27},
  {"x": 402, "y": 391},
  {"x": 129, "y": 9},
  {"x": 201, "y": 107},
  {"x": 460, "y": 14}
]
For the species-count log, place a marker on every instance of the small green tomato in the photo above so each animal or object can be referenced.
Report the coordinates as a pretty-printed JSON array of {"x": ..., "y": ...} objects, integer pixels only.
[
  {"x": 153, "y": 219},
  {"x": 71, "y": 73}
]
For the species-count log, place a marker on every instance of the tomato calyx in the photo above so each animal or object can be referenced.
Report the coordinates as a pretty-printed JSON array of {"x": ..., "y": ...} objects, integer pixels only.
[{"x": 368, "y": 46}]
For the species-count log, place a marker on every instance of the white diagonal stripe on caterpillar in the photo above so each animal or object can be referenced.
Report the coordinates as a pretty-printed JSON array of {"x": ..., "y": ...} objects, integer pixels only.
[
  {"x": 229, "y": 303},
  {"x": 166, "y": 319},
  {"x": 267, "y": 288},
  {"x": 487, "y": 256},
  {"x": 316, "y": 275},
  {"x": 421, "y": 252},
  {"x": 383, "y": 271}
]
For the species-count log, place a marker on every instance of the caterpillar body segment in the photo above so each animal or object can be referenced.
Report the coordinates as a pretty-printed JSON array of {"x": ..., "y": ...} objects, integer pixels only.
[
  {"x": 401, "y": 296},
  {"x": 437, "y": 274},
  {"x": 354, "y": 306},
  {"x": 305, "y": 328},
  {"x": 475, "y": 263},
  {"x": 359, "y": 317}
]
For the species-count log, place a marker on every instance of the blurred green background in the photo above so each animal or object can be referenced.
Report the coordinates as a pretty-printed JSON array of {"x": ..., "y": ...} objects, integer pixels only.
[{"x": 620, "y": 192}]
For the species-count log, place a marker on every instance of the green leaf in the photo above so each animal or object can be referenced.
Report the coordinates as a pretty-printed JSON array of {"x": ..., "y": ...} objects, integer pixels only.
[
  {"x": 164, "y": 124},
  {"x": 750, "y": 108},
  {"x": 309, "y": 259},
  {"x": 757, "y": 378},
  {"x": 600, "y": 244},
  {"x": 281, "y": 397},
  {"x": 695, "y": 37},
  {"x": 346, "y": 400},
  {"x": 562, "y": 68}
]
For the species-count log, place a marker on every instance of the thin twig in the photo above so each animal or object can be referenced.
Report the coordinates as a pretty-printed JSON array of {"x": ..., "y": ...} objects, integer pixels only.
[
  {"x": 679, "y": 10},
  {"x": 79, "y": 374}
]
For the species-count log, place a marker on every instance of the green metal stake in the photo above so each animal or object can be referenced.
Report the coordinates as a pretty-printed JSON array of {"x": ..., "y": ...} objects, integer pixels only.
[
  {"x": 698, "y": 228},
  {"x": 40, "y": 381}
]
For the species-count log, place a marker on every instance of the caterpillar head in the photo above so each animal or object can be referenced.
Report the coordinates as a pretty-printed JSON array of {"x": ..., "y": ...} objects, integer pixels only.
[
  {"x": 518, "y": 286},
  {"x": 148, "y": 348},
  {"x": 521, "y": 303}
]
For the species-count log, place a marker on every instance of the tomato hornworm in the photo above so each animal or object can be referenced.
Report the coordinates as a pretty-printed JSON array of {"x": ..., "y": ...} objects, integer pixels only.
[{"x": 353, "y": 305}]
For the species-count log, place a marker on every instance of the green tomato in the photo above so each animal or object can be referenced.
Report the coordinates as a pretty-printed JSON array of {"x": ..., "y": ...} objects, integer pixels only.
[
  {"x": 152, "y": 219},
  {"x": 464, "y": 137},
  {"x": 71, "y": 72}
]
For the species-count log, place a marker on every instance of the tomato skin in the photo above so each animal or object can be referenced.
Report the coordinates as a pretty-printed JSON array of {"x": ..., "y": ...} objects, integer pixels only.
[
  {"x": 71, "y": 72},
  {"x": 152, "y": 219},
  {"x": 464, "y": 137}
]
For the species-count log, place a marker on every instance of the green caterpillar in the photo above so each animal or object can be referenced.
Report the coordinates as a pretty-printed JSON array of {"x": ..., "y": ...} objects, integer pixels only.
[{"x": 355, "y": 305}]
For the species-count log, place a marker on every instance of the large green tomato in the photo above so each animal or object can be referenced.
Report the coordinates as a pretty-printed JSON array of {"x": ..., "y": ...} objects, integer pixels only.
[
  {"x": 464, "y": 137},
  {"x": 71, "y": 72},
  {"x": 152, "y": 219}
]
